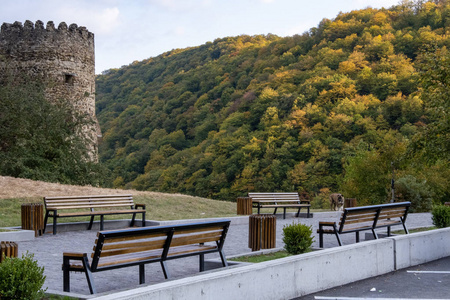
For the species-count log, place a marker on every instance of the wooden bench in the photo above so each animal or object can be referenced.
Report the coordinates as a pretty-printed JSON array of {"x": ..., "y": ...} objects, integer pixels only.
[
  {"x": 357, "y": 219},
  {"x": 140, "y": 246},
  {"x": 279, "y": 200},
  {"x": 98, "y": 205}
]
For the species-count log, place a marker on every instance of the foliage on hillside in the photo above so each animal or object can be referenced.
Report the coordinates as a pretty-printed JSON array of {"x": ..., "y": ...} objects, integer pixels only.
[{"x": 333, "y": 109}]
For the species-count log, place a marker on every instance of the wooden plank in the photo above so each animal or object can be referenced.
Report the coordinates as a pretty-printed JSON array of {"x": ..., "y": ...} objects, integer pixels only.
[
  {"x": 133, "y": 249},
  {"x": 137, "y": 244},
  {"x": 187, "y": 240},
  {"x": 129, "y": 259},
  {"x": 193, "y": 249}
]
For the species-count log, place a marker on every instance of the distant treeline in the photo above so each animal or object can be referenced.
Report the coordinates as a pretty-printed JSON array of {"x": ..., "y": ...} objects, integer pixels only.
[{"x": 345, "y": 107}]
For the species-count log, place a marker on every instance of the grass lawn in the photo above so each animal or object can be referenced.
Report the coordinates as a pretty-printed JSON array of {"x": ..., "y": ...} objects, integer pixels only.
[
  {"x": 414, "y": 230},
  {"x": 159, "y": 206},
  {"x": 261, "y": 257}
]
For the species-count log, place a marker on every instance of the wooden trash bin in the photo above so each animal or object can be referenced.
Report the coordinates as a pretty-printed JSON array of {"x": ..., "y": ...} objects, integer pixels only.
[
  {"x": 8, "y": 249},
  {"x": 244, "y": 206},
  {"x": 33, "y": 217},
  {"x": 350, "y": 202},
  {"x": 262, "y": 231}
]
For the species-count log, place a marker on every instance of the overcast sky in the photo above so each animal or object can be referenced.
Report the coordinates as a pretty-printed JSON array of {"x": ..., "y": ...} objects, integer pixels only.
[{"x": 130, "y": 30}]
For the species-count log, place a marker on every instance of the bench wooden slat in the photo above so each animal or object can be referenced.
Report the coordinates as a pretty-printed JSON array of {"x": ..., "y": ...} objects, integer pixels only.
[
  {"x": 133, "y": 248},
  {"x": 189, "y": 249}
]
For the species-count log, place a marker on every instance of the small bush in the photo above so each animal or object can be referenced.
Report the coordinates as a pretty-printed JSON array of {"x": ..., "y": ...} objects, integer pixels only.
[
  {"x": 297, "y": 238},
  {"x": 21, "y": 278},
  {"x": 441, "y": 216},
  {"x": 409, "y": 188}
]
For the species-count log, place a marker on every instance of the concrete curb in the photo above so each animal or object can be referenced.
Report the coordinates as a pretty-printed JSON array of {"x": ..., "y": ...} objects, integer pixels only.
[
  {"x": 16, "y": 235},
  {"x": 304, "y": 274}
]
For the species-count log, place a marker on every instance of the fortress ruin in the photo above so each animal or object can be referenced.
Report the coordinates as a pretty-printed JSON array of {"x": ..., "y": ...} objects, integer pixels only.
[{"x": 62, "y": 58}]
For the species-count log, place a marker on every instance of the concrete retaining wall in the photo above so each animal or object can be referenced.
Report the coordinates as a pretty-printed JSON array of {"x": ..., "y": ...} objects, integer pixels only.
[
  {"x": 302, "y": 274},
  {"x": 421, "y": 247}
]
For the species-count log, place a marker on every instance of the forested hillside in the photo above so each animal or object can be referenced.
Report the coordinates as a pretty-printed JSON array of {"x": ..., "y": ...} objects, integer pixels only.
[{"x": 341, "y": 107}]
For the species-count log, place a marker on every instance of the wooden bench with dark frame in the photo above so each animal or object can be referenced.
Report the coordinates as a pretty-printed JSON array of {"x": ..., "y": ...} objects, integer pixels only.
[
  {"x": 140, "y": 246},
  {"x": 279, "y": 200},
  {"x": 357, "y": 219},
  {"x": 91, "y": 206}
]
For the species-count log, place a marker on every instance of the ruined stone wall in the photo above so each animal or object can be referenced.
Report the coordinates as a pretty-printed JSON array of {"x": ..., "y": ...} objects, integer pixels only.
[{"x": 63, "y": 58}]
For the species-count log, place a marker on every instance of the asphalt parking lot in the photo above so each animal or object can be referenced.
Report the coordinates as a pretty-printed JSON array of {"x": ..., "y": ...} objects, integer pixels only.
[{"x": 426, "y": 281}]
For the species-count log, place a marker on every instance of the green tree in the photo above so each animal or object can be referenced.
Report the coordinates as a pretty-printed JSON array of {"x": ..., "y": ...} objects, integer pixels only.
[
  {"x": 433, "y": 141},
  {"x": 44, "y": 141}
]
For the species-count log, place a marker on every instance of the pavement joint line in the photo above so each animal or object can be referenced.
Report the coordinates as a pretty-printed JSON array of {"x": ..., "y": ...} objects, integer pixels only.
[
  {"x": 429, "y": 272},
  {"x": 366, "y": 298}
]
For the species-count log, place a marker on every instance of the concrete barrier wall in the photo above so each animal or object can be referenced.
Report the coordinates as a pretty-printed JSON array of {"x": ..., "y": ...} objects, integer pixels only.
[
  {"x": 421, "y": 247},
  {"x": 300, "y": 275},
  {"x": 278, "y": 279}
]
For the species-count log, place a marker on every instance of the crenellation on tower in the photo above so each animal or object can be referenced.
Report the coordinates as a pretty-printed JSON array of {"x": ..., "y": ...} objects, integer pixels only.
[{"x": 63, "y": 58}]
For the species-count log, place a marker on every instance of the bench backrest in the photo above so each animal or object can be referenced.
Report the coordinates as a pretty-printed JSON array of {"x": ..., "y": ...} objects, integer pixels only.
[
  {"x": 128, "y": 247},
  {"x": 89, "y": 202},
  {"x": 275, "y": 197},
  {"x": 369, "y": 216}
]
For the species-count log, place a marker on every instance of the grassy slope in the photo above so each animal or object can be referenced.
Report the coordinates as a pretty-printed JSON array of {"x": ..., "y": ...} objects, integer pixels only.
[{"x": 160, "y": 206}]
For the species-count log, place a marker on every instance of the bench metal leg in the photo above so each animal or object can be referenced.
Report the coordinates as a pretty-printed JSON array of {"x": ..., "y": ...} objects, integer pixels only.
[
  {"x": 132, "y": 220},
  {"x": 284, "y": 212},
  {"x": 202, "y": 262},
  {"x": 338, "y": 237},
  {"x": 141, "y": 274},
  {"x": 86, "y": 270},
  {"x": 101, "y": 222},
  {"x": 143, "y": 219},
  {"x": 54, "y": 224},
  {"x": 223, "y": 258},
  {"x": 320, "y": 238},
  {"x": 66, "y": 275},
  {"x": 357, "y": 236},
  {"x": 375, "y": 235},
  {"x": 89, "y": 277},
  {"x": 90, "y": 223},
  {"x": 45, "y": 221},
  {"x": 404, "y": 227},
  {"x": 275, "y": 211},
  {"x": 165, "y": 271}
]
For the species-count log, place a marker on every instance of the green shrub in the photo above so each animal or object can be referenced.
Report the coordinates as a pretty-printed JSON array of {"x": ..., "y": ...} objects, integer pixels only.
[
  {"x": 441, "y": 216},
  {"x": 21, "y": 278},
  {"x": 297, "y": 238},
  {"x": 409, "y": 188}
]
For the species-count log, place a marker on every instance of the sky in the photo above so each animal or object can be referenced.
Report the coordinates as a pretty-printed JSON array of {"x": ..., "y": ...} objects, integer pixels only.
[{"x": 133, "y": 30}]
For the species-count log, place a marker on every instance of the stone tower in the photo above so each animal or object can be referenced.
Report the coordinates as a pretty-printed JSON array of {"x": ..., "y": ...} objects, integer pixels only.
[{"x": 63, "y": 58}]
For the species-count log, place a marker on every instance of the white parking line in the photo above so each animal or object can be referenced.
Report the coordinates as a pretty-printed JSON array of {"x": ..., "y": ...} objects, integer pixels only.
[
  {"x": 359, "y": 298},
  {"x": 429, "y": 272}
]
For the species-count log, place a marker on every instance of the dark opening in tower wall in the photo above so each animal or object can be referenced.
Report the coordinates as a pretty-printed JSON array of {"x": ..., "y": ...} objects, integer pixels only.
[{"x": 69, "y": 79}]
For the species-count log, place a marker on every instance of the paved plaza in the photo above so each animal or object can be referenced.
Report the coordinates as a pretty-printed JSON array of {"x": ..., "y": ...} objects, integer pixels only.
[{"x": 48, "y": 250}]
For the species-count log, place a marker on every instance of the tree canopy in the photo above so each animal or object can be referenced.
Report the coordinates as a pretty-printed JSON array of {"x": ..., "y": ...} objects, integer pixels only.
[{"x": 332, "y": 109}]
